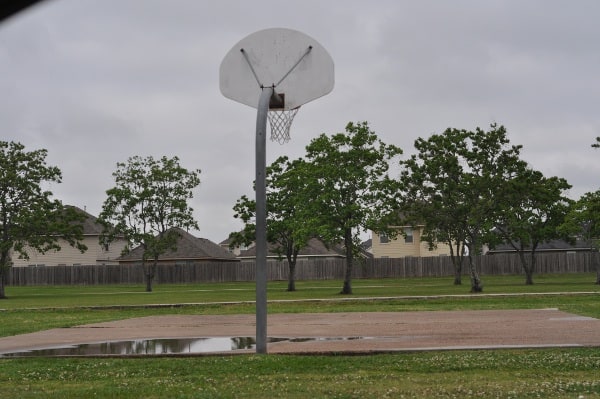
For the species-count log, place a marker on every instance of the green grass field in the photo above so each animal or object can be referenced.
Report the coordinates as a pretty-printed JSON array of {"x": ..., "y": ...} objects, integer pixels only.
[{"x": 555, "y": 373}]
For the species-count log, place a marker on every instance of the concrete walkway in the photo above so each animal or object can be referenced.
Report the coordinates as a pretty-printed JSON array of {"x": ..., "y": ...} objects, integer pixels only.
[{"x": 344, "y": 332}]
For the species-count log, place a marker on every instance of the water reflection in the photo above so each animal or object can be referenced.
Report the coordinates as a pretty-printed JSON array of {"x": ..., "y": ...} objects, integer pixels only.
[
  {"x": 146, "y": 347},
  {"x": 161, "y": 346}
]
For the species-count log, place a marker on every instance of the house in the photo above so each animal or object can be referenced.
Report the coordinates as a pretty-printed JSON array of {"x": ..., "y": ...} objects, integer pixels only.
[
  {"x": 314, "y": 249},
  {"x": 96, "y": 254},
  {"x": 407, "y": 243},
  {"x": 236, "y": 250},
  {"x": 367, "y": 246},
  {"x": 552, "y": 246},
  {"x": 189, "y": 250}
]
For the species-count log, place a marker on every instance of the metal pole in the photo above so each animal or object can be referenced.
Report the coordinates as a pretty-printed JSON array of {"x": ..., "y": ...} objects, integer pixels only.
[{"x": 261, "y": 220}]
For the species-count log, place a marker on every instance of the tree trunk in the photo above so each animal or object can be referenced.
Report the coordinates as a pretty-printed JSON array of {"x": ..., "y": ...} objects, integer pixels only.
[
  {"x": 151, "y": 268},
  {"x": 527, "y": 267},
  {"x": 457, "y": 263},
  {"x": 528, "y": 276},
  {"x": 595, "y": 263},
  {"x": 5, "y": 263},
  {"x": 292, "y": 277},
  {"x": 347, "y": 288},
  {"x": 532, "y": 264},
  {"x": 148, "y": 282},
  {"x": 475, "y": 279},
  {"x": 292, "y": 258},
  {"x": 3, "y": 275}
]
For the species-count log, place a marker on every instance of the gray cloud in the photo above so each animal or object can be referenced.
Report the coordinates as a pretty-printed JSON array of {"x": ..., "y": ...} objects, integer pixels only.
[{"x": 98, "y": 81}]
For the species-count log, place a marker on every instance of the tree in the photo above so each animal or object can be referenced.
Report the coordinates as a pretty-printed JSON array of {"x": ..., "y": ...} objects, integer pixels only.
[
  {"x": 583, "y": 221},
  {"x": 433, "y": 197},
  {"x": 29, "y": 218},
  {"x": 149, "y": 199},
  {"x": 347, "y": 189},
  {"x": 534, "y": 209},
  {"x": 451, "y": 186},
  {"x": 284, "y": 228}
]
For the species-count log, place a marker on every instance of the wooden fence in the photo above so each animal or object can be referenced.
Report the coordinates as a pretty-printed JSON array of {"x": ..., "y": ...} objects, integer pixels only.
[{"x": 306, "y": 270}]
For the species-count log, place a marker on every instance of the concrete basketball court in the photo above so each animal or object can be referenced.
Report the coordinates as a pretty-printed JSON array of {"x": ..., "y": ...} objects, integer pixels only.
[{"x": 344, "y": 332}]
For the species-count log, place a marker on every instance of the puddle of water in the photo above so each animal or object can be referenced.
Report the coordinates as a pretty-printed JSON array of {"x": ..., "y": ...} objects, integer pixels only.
[
  {"x": 159, "y": 346},
  {"x": 145, "y": 347}
]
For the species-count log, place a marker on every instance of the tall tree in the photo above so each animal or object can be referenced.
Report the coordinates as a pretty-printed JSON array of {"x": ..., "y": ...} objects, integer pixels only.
[
  {"x": 431, "y": 180},
  {"x": 348, "y": 189},
  {"x": 583, "y": 222},
  {"x": 534, "y": 207},
  {"x": 29, "y": 218},
  {"x": 452, "y": 184},
  {"x": 285, "y": 229},
  {"x": 150, "y": 197}
]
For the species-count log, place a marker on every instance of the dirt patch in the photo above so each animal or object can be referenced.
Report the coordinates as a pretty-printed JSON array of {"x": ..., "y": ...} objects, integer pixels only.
[{"x": 344, "y": 332}]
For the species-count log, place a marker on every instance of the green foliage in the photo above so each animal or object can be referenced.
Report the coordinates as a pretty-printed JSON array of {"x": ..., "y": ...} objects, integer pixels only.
[
  {"x": 583, "y": 218},
  {"x": 452, "y": 187},
  {"x": 533, "y": 209},
  {"x": 148, "y": 201},
  {"x": 583, "y": 222},
  {"x": 347, "y": 188},
  {"x": 286, "y": 229},
  {"x": 29, "y": 218},
  {"x": 341, "y": 188}
]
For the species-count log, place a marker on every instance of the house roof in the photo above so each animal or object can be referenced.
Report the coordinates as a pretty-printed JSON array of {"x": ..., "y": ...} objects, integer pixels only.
[
  {"x": 188, "y": 247},
  {"x": 90, "y": 223},
  {"x": 549, "y": 246},
  {"x": 226, "y": 242},
  {"x": 366, "y": 245},
  {"x": 314, "y": 247}
]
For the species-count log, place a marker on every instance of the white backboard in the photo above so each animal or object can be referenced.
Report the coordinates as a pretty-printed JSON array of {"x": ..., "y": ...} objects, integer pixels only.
[{"x": 266, "y": 57}]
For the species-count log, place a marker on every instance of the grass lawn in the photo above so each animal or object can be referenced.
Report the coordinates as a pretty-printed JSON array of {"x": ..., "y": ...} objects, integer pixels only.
[
  {"x": 556, "y": 373},
  {"x": 548, "y": 373}
]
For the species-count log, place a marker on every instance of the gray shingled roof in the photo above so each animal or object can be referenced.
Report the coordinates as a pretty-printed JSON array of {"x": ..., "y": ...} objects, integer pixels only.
[
  {"x": 315, "y": 247},
  {"x": 90, "y": 224},
  {"x": 188, "y": 248},
  {"x": 552, "y": 246}
]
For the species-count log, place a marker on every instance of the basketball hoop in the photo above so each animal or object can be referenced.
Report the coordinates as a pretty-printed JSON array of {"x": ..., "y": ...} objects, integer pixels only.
[
  {"x": 303, "y": 71},
  {"x": 280, "y": 121}
]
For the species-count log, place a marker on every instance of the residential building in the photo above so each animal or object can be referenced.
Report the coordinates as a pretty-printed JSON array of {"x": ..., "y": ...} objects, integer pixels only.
[
  {"x": 407, "y": 243},
  {"x": 314, "y": 249},
  {"x": 552, "y": 246},
  {"x": 236, "y": 250},
  {"x": 96, "y": 254},
  {"x": 188, "y": 250}
]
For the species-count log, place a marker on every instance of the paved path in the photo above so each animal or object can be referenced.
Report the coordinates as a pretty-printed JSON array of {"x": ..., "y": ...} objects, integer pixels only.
[{"x": 344, "y": 332}]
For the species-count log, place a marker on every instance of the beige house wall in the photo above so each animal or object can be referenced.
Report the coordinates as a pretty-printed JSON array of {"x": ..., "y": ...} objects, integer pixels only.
[
  {"x": 69, "y": 256},
  {"x": 401, "y": 247}
]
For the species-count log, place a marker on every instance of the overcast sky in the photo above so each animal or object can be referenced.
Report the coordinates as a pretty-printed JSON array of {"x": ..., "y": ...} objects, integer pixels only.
[{"x": 97, "y": 81}]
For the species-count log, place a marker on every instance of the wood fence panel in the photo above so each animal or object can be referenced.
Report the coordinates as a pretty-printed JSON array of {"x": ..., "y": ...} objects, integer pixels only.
[{"x": 314, "y": 269}]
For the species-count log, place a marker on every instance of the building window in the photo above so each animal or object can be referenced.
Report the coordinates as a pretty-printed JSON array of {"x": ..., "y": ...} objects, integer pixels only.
[
  {"x": 383, "y": 238},
  {"x": 408, "y": 236}
]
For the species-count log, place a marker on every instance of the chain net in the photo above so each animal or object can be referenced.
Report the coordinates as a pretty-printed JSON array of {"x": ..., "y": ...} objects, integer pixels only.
[{"x": 280, "y": 121}]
